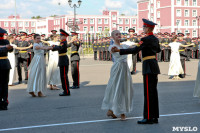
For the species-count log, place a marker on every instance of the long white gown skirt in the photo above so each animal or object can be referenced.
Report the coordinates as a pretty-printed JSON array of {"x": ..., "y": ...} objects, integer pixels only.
[
  {"x": 175, "y": 67},
  {"x": 11, "y": 57},
  {"x": 53, "y": 72},
  {"x": 197, "y": 82},
  {"x": 37, "y": 74},
  {"x": 119, "y": 91}
]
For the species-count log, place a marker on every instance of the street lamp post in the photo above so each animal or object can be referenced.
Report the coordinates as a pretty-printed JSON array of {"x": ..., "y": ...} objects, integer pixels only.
[
  {"x": 198, "y": 17},
  {"x": 74, "y": 6},
  {"x": 15, "y": 18}
]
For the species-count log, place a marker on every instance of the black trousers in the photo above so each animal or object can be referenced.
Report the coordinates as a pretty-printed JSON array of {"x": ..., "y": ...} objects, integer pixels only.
[
  {"x": 64, "y": 78},
  {"x": 166, "y": 55},
  {"x": 108, "y": 55},
  {"x": 189, "y": 54},
  {"x": 183, "y": 66},
  {"x": 159, "y": 55},
  {"x": 95, "y": 55},
  {"x": 134, "y": 60},
  {"x": 151, "y": 106},
  {"x": 104, "y": 55},
  {"x": 75, "y": 72},
  {"x": 100, "y": 55},
  {"x": 4, "y": 79},
  {"x": 20, "y": 62}
]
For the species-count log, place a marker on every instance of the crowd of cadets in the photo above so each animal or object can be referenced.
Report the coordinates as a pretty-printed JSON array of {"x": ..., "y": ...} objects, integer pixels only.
[{"x": 100, "y": 46}]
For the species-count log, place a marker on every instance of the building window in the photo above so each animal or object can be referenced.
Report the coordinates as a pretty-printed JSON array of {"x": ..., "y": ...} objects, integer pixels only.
[
  {"x": 32, "y": 30},
  {"x": 194, "y": 3},
  {"x": 120, "y": 21},
  {"x": 194, "y": 33},
  {"x": 158, "y": 14},
  {"x": 114, "y": 25},
  {"x": 186, "y": 13},
  {"x": 105, "y": 28},
  {"x": 194, "y": 13},
  {"x": 186, "y": 31},
  {"x": 85, "y": 29},
  {"x": 5, "y": 24},
  {"x": 70, "y": 19},
  {"x": 85, "y": 21},
  {"x": 26, "y": 24},
  {"x": 151, "y": 9},
  {"x": 178, "y": 2},
  {"x": 158, "y": 4},
  {"x": 127, "y": 21},
  {"x": 12, "y": 24},
  {"x": 20, "y": 30},
  {"x": 99, "y": 21},
  {"x": 134, "y": 28},
  {"x": 27, "y": 31},
  {"x": 32, "y": 24},
  {"x": 151, "y": 18},
  {"x": 186, "y": 3},
  {"x": 20, "y": 24},
  {"x": 121, "y": 29},
  {"x": 178, "y": 22},
  {"x": 134, "y": 21},
  {"x": 186, "y": 22},
  {"x": 113, "y": 17},
  {"x": 91, "y": 28},
  {"x": 194, "y": 22},
  {"x": 105, "y": 21},
  {"x": 178, "y": 12},
  {"x": 91, "y": 21},
  {"x": 99, "y": 28},
  {"x": 126, "y": 29}
]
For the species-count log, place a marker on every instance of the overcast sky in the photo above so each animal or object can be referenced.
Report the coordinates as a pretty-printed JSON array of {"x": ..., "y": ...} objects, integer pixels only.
[{"x": 44, "y": 8}]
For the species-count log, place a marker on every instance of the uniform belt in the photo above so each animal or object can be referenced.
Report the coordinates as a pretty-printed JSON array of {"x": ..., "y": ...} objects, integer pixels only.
[
  {"x": 22, "y": 51},
  {"x": 103, "y": 46},
  {"x": 5, "y": 57},
  {"x": 182, "y": 50},
  {"x": 149, "y": 57},
  {"x": 95, "y": 46},
  {"x": 63, "y": 54},
  {"x": 74, "y": 52}
]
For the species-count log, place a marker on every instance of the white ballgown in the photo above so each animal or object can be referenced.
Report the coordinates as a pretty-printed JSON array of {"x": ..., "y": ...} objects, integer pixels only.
[
  {"x": 11, "y": 57},
  {"x": 119, "y": 91},
  {"x": 53, "y": 72},
  {"x": 37, "y": 74},
  {"x": 197, "y": 82},
  {"x": 175, "y": 67}
]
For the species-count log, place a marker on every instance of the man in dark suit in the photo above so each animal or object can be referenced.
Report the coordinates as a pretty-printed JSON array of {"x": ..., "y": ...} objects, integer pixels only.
[
  {"x": 63, "y": 62},
  {"x": 4, "y": 70},
  {"x": 149, "y": 46}
]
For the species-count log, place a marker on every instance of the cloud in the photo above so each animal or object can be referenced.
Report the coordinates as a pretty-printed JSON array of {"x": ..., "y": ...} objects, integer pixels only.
[
  {"x": 113, "y": 4},
  {"x": 57, "y": 2},
  {"x": 70, "y": 13},
  {"x": 7, "y": 4}
]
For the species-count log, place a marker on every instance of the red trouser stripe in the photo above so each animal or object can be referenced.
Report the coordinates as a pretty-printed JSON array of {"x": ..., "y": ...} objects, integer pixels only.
[
  {"x": 65, "y": 80},
  {"x": 147, "y": 95},
  {"x": 185, "y": 68},
  {"x": 27, "y": 68},
  {"x": 78, "y": 72}
]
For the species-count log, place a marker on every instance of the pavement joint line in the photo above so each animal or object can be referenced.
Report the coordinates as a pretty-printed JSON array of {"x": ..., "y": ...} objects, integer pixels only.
[{"x": 93, "y": 121}]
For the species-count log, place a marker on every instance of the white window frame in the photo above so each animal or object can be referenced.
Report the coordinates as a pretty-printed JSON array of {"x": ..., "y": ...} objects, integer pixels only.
[
  {"x": 105, "y": 21},
  {"x": 186, "y": 3},
  {"x": 85, "y": 21},
  {"x": 120, "y": 21},
  {"x": 5, "y": 24},
  {"x": 99, "y": 21},
  {"x": 27, "y": 22},
  {"x": 193, "y": 33},
  {"x": 158, "y": 4},
  {"x": 121, "y": 28},
  {"x": 193, "y": 22},
  {"x": 186, "y": 32},
  {"x": 114, "y": 17},
  {"x": 151, "y": 9},
  {"x": 91, "y": 21},
  {"x": 32, "y": 24},
  {"x": 134, "y": 21},
  {"x": 106, "y": 27},
  {"x": 27, "y": 31},
  {"x": 158, "y": 14},
  {"x": 178, "y": 4},
  {"x": 12, "y": 24},
  {"x": 179, "y": 22},
  {"x": 32, "y": 30},
  {"x": 20, "y": 24},
  {"x": 99, "y": 28},
  {"x": 126, "y": 22},
  {"x": 177, "y": 13},
  {"x": 20, "y": 30},
  {"x": 126, "y": 29},
  {"x": 194, "y": 15},
  {"x": 188, "y": 13},
  {"x": 85, "y": 28},
  {"x": 114, "y": 25},
  {"x": 194, "y": 3},
  {"x": 134, "y": 28},
  {"x": 188, "y": 22},
  {"x": 92, "y": 27}
]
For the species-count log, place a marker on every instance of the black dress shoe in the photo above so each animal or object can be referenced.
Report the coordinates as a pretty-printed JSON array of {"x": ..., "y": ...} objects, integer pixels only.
[
  {"x": 155, "y": 120},
  {"x": 3, "y": 108},
  {"x": 64, "y": 94},
  {"x": 25, "y": 82},
  {"x": 132, "y": 73},
  {"x": 74, "y": 87},
  {"x": 146, "y": 121},
  {"x": 19, "y": 82}
]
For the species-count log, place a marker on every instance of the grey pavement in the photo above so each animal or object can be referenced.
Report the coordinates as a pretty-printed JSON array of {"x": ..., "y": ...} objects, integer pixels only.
[{"x": 81, "y": 112}]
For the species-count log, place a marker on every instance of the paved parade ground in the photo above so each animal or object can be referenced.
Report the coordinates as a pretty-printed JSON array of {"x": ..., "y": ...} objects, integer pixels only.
[{"x": 81, "y": 112}]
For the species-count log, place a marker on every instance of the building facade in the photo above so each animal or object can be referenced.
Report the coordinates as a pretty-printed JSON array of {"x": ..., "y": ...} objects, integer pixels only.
[{"x": 170, "y": 15}]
